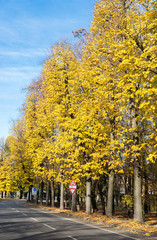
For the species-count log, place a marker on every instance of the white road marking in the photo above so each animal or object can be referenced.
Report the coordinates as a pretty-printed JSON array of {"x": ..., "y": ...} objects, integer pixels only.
[
  {"x": 17, "y": 210},
  {"x": 49, "y": 226},
  {"x": 101, "y": 229},
  {"x": 92, "y": 226},
  {"x": 34, "y": 219},
  {"x": 105, "y": 230},
  {"x": 43, "y": 211},
  {"x": 72, "y": 238},
  {"x": 112, "y": 232},
  {"x": 70, "y": 219},
  {"x": 24, "y": 214}
]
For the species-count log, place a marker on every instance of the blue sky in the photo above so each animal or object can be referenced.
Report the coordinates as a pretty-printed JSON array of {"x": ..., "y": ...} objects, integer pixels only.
[{"x": 28, "y": 29}]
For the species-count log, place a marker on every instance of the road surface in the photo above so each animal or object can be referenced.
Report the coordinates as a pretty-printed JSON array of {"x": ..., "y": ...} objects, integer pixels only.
[{"x": 20, "y": 221}]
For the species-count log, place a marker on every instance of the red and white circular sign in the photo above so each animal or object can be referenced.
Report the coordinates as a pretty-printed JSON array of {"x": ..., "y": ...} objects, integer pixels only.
[{"x": 72, "y": 187}]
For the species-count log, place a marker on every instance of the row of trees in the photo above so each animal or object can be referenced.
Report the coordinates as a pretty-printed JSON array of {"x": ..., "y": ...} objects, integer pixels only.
[{"x": 91, "y": 116}]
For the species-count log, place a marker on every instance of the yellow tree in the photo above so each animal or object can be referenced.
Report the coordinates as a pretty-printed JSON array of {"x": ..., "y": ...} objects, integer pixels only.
[
  {"x": 20, "y": 172},
  {"x": 100, "y": 78},
  {"x": 121, "y": 65},
  {"x": 58, "y": 83},
  {"x": 6, "y": 183},
  {"x": 36, "y": 134},
  {"x": 134, "y": 55}
]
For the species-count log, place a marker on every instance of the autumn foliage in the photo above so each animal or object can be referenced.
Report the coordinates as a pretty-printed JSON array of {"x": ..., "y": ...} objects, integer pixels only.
[{"x": 94, "y": 116}]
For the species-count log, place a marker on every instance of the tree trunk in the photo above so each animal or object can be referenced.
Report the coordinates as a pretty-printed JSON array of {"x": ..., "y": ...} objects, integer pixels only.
[
  {"x": 137, "y": 193},
  {"x": 116, "y": 191},
  {"x": 1, "y": 194},
  {"x": 73, "y": 205},
  {"x": 109, "y": 209},
  {"x": 66, "y": 197},
  {"x": 93, "y": 196},
  {"x": 41, "y": 194},
  {"x": 21, "y": 194},
  {"x": 146, "y": 192},
  {"x": 47, "y": 193},
  {"x": 37, "y": 195},
  {"x": 88, "y": 195},
  {"x": 137, "y": 168},
  {"x": 52, "y": 193},
  {"x": 29, "y": 194},
  {"x": 58, "y": 193},
  {"x": 110, "y": 198},
  {"x": 129, "y": 185},
  {"x": 102, "y": 198},
  {"x": 62, "y": 196}
]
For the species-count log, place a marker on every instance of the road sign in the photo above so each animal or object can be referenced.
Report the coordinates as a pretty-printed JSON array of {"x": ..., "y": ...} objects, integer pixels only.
[
  {"x": 34, "y": 191},
  {"x": 72, "y": 187}
]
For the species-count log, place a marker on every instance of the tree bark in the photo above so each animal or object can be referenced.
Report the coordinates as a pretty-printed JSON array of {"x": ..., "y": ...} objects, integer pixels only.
[
  {"x": 73, "y": 205},
  {"x": 146, "y": 192},
  {"x": 110, "y": 198},
  {"x": 47, "y": 193},
  {"x": 88, "y": 195},
  {"x": 37, "y": 195},
  {"x": 58, "y": 192},
  {"x": 62, "y": 196},
  {"x": 109, "y": 209},
  {"x": 93, "y": 196},
  {"x": 102, "y": 197},
  {"x": 21, "y": 194},
  {"x": 29, "y": 194},
  {"x": 41, "y": 194},
  {"x": 52, "y": 193},
  {"x": 138, "y": 216},
  {"x": 116, "y": 191}
]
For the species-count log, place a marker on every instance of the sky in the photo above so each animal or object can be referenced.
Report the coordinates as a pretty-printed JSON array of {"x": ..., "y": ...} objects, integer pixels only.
[{"x": 28, "y": 29}]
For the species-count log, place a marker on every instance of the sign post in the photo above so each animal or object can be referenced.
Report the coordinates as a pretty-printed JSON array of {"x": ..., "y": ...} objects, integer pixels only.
[{"x": 72, "y": 188}]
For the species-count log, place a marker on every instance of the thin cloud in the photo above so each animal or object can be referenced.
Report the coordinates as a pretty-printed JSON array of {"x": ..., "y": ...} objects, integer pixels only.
[
  {"x": 29, "y": 53},
  {"x": 19, "y": 74},
  {"x": 30, "y": 30},
  {"x": 44, "y": 23}
]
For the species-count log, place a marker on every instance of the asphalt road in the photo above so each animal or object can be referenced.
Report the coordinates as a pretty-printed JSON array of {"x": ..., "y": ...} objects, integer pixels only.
[{"x": 20, "y": 221}]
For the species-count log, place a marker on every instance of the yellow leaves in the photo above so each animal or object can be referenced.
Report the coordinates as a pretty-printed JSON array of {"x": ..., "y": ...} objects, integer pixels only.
[
  {"x": 122, "y": 145},
  {"x": 126, "y": 63},
  {"x": 147, "y": 234},
  {"x": 152, "y": 157},
  {"x": 80, "y": 101}
]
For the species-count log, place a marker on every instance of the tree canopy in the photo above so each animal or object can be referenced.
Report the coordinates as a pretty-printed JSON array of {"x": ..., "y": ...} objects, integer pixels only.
[{"x": 92, "y": 114}]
